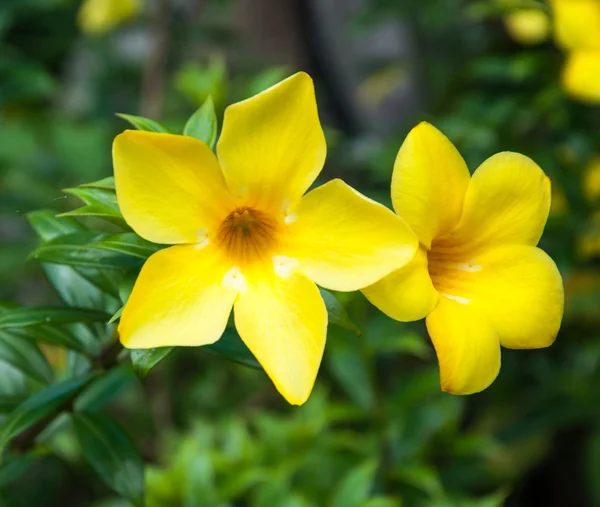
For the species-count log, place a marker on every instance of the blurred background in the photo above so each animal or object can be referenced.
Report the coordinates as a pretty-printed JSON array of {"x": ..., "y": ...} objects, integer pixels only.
[{"x": 377, "y": 431}]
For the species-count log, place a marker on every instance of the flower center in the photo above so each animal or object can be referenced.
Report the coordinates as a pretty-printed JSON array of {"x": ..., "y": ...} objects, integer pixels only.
[
  {"x": 450, "y": 273},
  {"x": 248, "y": 235}
]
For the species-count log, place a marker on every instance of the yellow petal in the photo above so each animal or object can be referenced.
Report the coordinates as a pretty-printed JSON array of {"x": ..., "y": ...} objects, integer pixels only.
[
  {"x": 577, "y": 23},
  {"x": 580, "y": 75},
  {"x": 466, "y": 345},
  {"x": 284, "y": 323},
  {"x": 507, "y": 202},
  {"x": 429, "y": 182},
  {"x": 178, "y": 299},
  {"x": 272, "y": 146},
  {"x": 520, "y": 290},
  {"x": 528, "y": 26},
  {"x": 406, "y": 294},
  {"x": 170, "y": 188},
  {"x": 345, "y": 241}
]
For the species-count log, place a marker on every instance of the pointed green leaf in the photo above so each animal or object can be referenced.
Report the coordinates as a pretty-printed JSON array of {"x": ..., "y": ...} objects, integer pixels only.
[
  {"x": 33, "y": 316},
  {"x": 127, "y": 243},
  {"x": 26, "y": 357},
  {"x": 104, "y": 389},
  {"x": 111, "y": 453},
  {"x": 100, "y": 203},
  {"x": 107, "y": 183},
  {"x": 77, "y": 250},
  {"x": 144, "y": 360},
  {"x": 337, "y": 313},
  {"x": 231, "y": 347},
  {"x": 47, "y": 334},
  {"x": 141, "y": 123},
  {"x": 38, "y": 406},
  {"x": 203, "y": 124},
  {"x": 48, "y": 226}
]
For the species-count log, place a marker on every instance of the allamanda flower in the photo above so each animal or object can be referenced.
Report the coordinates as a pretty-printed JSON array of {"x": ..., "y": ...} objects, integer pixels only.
[
  {"x": 246, "y": 237},
  {"x": 478, "y": 276},
  {"x": 577, "y": 29}
]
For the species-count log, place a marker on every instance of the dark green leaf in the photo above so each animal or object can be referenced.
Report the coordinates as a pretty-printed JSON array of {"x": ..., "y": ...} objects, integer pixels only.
[
  {"x": 104, "y": 389},
  {"x": 337, "y": 313},
  {"x": 26, "y": 317},
  {"x": 231, "y": 347},
  {"x": 110, "y": 452},
  {"x": 9, "y": 402},
  {"x": 47, "y": 334},
  {"x": 15, "y": 468},
  {"x": 38, "y": 406},
  {"x": 144, "y": 360},
  {"x": 141, "y": 123},
  {"x": 75, "y": 250},
  {"x": 100, "y": 203},
  {"x": 26, "y": 357},
  {"x": 127, "y": 243},
  {"x": 203, "y": 124}
]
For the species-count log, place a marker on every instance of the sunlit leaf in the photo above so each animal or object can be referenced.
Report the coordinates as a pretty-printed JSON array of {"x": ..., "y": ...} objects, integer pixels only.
[
  {"x": 110, "y": 452},
  {"x": 203, "y": 124},
  {"x": 100, "y": 203},
  {"x": 141, "y": 123}
]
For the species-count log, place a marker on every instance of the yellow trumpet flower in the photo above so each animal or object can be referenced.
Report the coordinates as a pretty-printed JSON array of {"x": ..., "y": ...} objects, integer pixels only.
[
  {"x": 100, "y": 16},
  {"x": 577, "y": 30},
  {"x": 478, "y": 276},
  {"x": 247, "y": 237}
]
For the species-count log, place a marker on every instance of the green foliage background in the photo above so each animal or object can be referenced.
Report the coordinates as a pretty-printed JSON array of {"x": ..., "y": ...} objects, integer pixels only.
[{"x": 84, "y": 424}]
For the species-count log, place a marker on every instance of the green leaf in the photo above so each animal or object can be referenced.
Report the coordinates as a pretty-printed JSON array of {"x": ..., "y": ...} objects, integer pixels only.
[
  {"x": 337, "y": 313},
  {"x": 26, "y": 357},
  {"x": 38, "y": 406},
  {"x": 15, "y": 468},
  {"x": 231, "y": 347},
  {"x": 110, "y": 452},
  {"x": 144, "y": 360},
  {"x": 47, "y": 334},
  {"x": 104, "y": 389},
  {"x": 203, "y": 124},
  {"x": 107, "y": 183},
  {"x": 26, "y": 317},
  {"x": 127, "y": 243},
  {"x": 117, "y": 315},
  {"x": 78, "y": 250},
  {"x": 100, "y": 203},
  {"x": 355, "y": 487},
  {"x": 9, "y": 402},
  {"x": 48, "y": 226},
  {"x": 141, "y": 123}
]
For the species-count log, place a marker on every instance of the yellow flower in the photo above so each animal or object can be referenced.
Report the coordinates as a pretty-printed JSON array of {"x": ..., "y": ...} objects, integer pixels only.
[
  {"x": 247, "y": 238},
  {"x": 576, "y": 23},
  {"x": 577, "y": 29},
  {"x": 528, "y": 26},
  {"x": 100, "y": 16},
  {"x": 478, "y": 276}
]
